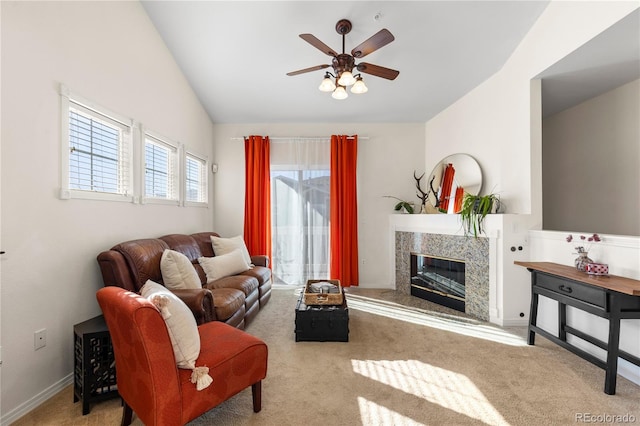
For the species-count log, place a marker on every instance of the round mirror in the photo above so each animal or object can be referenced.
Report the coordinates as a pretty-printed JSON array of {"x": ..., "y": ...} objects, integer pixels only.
[{"x": 450, "y": 179}]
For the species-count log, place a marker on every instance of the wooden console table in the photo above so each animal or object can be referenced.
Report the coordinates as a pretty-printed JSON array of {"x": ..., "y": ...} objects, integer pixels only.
[{"x": 609, "y": 296}]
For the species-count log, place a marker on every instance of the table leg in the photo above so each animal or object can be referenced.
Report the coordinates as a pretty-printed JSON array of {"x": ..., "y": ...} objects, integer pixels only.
[
  {"x": 611, "y": 371},
  {"x": 533, "y": 315}
]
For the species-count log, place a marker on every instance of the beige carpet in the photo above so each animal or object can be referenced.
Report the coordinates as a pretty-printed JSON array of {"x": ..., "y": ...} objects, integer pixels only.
[{"x": 419, "y": 365}]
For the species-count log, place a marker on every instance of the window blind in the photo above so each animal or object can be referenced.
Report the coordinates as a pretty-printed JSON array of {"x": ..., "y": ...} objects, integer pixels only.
[
  {"x": 195, "y": 179},
  {"x": 98, "y": 159},
  {"x": 160, "y": 169}
]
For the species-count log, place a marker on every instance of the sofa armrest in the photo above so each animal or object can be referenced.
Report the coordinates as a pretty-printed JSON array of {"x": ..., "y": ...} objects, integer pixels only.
[
  {"x": 115, "y": 271},
  {"x": 200, "y": 301},
  {"x": 260, "y": 260}
]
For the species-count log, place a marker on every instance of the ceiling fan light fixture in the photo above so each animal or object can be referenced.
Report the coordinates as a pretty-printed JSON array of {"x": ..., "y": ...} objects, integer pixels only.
[
  {"x": 346, "y": 79},
  {"x": 327, "y": 84},
  {"x": 359, "y": 87},
  {"x": 340, "y": 93}
]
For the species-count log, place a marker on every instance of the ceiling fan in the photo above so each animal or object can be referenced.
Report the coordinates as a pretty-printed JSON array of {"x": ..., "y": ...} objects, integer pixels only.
[{"x": 344, "y": 64}]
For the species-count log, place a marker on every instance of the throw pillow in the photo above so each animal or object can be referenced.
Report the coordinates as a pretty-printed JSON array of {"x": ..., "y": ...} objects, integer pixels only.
[
  {"x": 227, "y": 245},
  {"x": 223, "y": 265},
  {"x": 177, "y": 271},
  {"x": 182, "y": 329}
]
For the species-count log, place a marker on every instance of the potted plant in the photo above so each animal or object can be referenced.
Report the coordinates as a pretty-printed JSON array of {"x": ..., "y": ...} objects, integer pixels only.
[
  {"x": 473, "y": 211},
  {"x": 402, "y": 205}
]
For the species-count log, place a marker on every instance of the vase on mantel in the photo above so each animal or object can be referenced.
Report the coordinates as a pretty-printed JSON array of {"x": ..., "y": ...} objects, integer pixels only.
[{"x": 582, "y": 260}]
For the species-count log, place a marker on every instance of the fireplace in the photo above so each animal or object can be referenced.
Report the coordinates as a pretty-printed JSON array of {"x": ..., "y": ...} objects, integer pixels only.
[
  {"x": 439, "y": 280},
  {"x": 473, "y": 252}
]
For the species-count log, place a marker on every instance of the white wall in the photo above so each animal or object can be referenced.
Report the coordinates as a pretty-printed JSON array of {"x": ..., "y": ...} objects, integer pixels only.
[
  {"x": 499, "y": 124},
  {"x": 591, "y": 162},
  {"x": 386, "y": 162},
  {"x": 110, "y": 53}
]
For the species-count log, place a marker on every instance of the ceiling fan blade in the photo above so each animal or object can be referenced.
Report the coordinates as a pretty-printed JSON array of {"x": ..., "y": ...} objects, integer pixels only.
[
  {"x": 377, "y": 70},
  {"x": 373, "y": 43},
  {"x": 312, "y": 40},
  {"x": 316, "y": 68}
]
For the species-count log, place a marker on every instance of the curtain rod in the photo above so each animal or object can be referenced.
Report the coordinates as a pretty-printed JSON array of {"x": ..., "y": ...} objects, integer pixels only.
[{"x": 306, "y": 138}]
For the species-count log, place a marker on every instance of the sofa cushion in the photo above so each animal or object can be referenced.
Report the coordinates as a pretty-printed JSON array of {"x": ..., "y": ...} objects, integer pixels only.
[
  {"x": 244, "y": 283},
  {"x": 227, "y": 245},
  {"x": 227, "y": 301},
  {"x": 261, "y": 273},
  {"x": 178, "y": 272},
  {"x": 223, "y": 265}
]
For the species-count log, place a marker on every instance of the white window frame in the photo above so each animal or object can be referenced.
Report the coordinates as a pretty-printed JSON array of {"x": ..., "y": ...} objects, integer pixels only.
[
  {"x": 175, "y": 149},
  {"x": 70, "y": 100},
  {"x": 205, "y": 176}
]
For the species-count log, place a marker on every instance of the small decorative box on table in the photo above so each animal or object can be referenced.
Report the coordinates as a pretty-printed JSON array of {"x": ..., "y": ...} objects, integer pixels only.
[
  {"x": 94, "y": 371},
  {"x": 322, "y": 322}
]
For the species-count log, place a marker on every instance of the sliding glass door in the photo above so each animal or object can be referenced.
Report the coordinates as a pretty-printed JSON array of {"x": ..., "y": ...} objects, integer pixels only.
[{"x": 300, "y": 210}]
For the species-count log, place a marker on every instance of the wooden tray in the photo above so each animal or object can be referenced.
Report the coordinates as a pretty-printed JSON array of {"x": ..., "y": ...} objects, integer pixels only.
[{"x": 323, "y": 298}]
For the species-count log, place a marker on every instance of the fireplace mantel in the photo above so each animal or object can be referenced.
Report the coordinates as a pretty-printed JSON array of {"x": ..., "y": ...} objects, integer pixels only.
[{"x": 509, "y": 294}]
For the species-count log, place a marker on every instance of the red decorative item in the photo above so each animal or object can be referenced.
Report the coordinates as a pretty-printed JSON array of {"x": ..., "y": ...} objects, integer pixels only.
[{"x": 597, "y": 269}]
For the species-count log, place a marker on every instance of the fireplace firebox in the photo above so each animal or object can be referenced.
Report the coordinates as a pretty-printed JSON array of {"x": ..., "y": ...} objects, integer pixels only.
[{"x": 438, "y": 280}]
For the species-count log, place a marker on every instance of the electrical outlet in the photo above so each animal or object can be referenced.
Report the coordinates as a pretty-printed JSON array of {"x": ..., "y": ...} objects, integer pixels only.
[{"x": 39, "y": 339}]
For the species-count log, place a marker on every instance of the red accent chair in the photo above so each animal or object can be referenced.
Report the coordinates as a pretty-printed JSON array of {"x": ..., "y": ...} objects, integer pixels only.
[{"x": 150, "y": 383}]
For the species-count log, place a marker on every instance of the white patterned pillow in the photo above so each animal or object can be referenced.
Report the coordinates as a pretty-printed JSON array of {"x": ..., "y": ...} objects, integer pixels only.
[
  {"x": 178, "y": 271},
  {"x": 223, "y": 265},
  {"x": 227, "y": 245}
]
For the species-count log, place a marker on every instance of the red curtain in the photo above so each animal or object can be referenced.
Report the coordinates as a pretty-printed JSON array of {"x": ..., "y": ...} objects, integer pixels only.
[
  {"x": 344, "y": 210},
  {"x": 257, "y": 196},
  {"x": 447, "y": 183}
]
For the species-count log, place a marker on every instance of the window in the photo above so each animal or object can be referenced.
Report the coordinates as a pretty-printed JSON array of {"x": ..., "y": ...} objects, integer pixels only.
[
  {"x": 160, "y": 169},
  {"x": 196, "y": 185},
  {"x": 300, "y": 176},
  {"x": 97, "y": 152}
]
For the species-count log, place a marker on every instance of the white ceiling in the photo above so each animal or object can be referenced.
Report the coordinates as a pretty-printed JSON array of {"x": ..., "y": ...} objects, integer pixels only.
[
  {"x": 235, "y": 54},
  {"x": 607, "y": 61}
]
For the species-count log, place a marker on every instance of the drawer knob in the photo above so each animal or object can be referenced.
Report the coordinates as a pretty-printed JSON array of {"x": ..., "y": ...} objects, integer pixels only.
[{"x": 565, "y": 289}]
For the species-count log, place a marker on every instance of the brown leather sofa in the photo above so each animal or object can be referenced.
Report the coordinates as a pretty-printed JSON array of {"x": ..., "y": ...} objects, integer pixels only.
[{"x": 234, "y": 300}]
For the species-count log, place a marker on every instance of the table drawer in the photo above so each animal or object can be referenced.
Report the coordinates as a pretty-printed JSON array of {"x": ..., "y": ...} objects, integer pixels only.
[{"x": 575, "y": 290}]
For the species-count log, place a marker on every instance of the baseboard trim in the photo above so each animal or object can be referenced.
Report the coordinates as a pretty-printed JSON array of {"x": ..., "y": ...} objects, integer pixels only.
[
  {"x": 515, "y": 322},
  {"x": 36, "y": 401}
]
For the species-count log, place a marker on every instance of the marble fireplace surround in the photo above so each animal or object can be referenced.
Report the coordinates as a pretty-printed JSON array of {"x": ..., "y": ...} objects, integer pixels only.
[{"x": 474, "y": 252}]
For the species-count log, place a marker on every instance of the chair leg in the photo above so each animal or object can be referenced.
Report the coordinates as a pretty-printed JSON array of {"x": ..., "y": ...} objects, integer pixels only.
[
  {"x": 127, "y": 414},
  {"x": 256, "y": 392}
]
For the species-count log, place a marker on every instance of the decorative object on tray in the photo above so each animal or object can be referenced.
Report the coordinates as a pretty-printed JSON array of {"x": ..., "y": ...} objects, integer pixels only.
[
  {"x": 597, "y": 269},
  {"x": 323, "y": 292},
  {"x": 585, "y": 242}
]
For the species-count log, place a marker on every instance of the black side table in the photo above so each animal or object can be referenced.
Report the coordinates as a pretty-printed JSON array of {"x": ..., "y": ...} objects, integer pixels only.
[{"x": 94, "y": 369}]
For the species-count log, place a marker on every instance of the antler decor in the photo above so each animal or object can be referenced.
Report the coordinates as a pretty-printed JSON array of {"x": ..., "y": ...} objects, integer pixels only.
[
  {"x": 434, "y": 191},
  {"x": 423, "y": 196}
]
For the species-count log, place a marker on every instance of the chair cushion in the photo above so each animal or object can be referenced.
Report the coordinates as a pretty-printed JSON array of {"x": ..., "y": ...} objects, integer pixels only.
[
  {"x": 227, "y": 245},
  {"x": 180, "y": 322},
  {"x": 177, "y": 271},
  {"x": 224, "y": 265},
  {"x": 236, "y": 360}
]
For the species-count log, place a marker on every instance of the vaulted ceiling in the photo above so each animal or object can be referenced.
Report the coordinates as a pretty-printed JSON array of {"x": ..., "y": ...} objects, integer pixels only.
[{"x": 235, "y": 54}]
